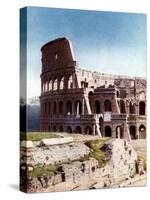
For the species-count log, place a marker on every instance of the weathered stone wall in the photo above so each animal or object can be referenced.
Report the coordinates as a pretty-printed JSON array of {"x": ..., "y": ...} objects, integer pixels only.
[{"x": 78, "y": 167}]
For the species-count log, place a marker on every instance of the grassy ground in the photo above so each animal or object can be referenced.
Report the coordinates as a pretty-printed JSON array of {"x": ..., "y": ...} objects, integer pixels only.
[{"x": 37, "y": 136}]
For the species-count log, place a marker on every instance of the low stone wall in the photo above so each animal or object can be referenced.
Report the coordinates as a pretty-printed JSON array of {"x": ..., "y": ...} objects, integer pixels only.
[{"x": 76, "y": 166}]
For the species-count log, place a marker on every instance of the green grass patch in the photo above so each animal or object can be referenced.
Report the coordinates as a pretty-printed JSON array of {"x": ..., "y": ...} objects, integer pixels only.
[
  {"x": 46, "y": 170},
  {"x": 96, "y": 152},
  {"x": 37, "y": 136}
]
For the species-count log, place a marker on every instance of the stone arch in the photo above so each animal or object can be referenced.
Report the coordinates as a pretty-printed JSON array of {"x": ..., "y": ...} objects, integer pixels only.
[
  {"x": 44, "y": 86},
  {"x": 142, "y": 132},
  {"x": 133, "y": 132},
  {"x": 69, "y": 129},
  {"x": 142, "y": 108},
  {"x": 50, "y": 86},
  {"x": 108, "y": 131},
  {"x": 61, "y": 83},
  {"x": 55, "y": 84},
  {"x": 119, "y": 132},
  {"x": 132, "y": 108},
  {"x": 122, "y": 106},
  {"x": 61, "y": 129},
  {"x": 49, "y": 107},
  {"x": 49, "y": 128},
  {"x": 88, "y": 130},
  {"x": 54, "y": 128},
  {"x": 45, "y": 108},
  {"x": 55, "y": 108},
  {"x": 78, "y": 129},
  {"x": 69, "y": 107},
  {"x": 60, "y": 107},
  {"x": 78, "y": 107},
  {"x": 70, "y": 81},
  {"x": 107, "y": 105},
  {"x": 97, "y": 107}
]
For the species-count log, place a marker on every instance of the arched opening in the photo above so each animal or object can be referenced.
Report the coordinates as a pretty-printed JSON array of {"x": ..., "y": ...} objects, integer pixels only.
[
  {"x": 97, "y": 107},
  {"x": 55, "y": 84},
  {"x": 54, "y": 128},
  {"x": 45, "y": 108},
  {"x": 69, "y": 129},
  {"x": 49, "y": 128},
  {"x": 50, "y": 85},
  {"x": 107, "y": 105},
  {"x": 78, "y": 107},
  {"x": 60, "y": 107},
  {"x": 61, "y": 129},
  {"x": 101, "y": 124},
  {"x": 61, "y": 84},
  {"x": 49, "y": 108},
  {"x": 142, "y": 132},
  {"x": 122, "y": 107},
  {"x": 132, "y": 108},
  {"x": 133, "y": 132},
  {"x": 142, "y": 108},
  {"x": 78, "y": 129},
  {"x": 69, "y": 107},
  {"x": 119, "y": 132},
  {"x": 70, "y": 82},
  {"x": 46, "y": 86},
  {"x": 107, "y": 131},
  {"x": 88, "y": 130},
  {"x": 55, "y": 107}
]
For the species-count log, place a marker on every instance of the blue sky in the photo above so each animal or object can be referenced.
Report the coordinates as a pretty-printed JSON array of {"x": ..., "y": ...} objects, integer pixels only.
[{"x": 102, "y": 41}]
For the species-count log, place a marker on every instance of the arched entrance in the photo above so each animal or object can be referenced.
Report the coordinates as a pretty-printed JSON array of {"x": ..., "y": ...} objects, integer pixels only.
[
  {"x": 54, "y": 128},
  {"x": 78, "y": 129},
  {"x": 70, "y": 82},
  {"x": 142, "y": 132},
  {"x": 88, "y": 130},
  {"x": 108, "y": 131},
  {"x": 142, "y": 108},
  {"x": 107, "y": 105},
  {"x": 61, "y": 129},
  {"x": 69, "y": 107},
  {"x": 60, "y": 107},
  {"x": 61, "y": 83},
  {"x": 132, "y": 108},
  {"x": 133, "y": 132},
  {"x": 97, "y": 107},
  {"x": 69, "y": 129}
]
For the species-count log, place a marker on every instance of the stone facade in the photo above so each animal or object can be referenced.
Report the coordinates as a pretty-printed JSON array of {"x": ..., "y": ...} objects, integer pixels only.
[{"x": 74, "y": 100}]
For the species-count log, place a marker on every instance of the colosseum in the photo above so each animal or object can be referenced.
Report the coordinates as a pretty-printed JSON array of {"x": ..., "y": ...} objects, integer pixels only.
[{"x": 75, "y": 100}]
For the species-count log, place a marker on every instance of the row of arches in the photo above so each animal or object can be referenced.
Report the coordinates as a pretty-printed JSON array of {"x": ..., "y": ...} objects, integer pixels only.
[
  {"x": 57, "y": 83},
  {"x": 107, "y": 132},
  {"x": 108, "y": 107},
  {"x": 141, "y": 130},
  {"x": 98, "y": 107},
  {"x": 62, "y": 108},
  {"x": 78, "y": 129}
]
